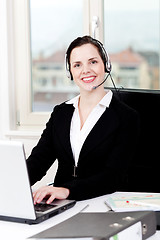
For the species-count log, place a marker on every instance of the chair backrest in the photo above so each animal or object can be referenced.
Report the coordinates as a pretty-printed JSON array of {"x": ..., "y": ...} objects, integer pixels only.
[{"x": 144, "y": 172}]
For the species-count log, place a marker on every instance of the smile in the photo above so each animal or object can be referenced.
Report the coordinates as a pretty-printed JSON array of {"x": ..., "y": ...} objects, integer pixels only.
[{"x": 88, "y": 79}]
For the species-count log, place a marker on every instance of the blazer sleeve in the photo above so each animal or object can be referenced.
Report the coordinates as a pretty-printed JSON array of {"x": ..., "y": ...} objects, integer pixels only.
[{"x": 43, "y": 154}]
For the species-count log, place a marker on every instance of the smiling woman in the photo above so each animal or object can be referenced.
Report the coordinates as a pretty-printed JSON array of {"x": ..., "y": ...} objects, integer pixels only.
[{"x": 92, "y": 135}]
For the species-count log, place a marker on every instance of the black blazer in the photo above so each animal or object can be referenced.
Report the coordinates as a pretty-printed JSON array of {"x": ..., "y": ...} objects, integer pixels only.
[{"x": 104, "y": 157}]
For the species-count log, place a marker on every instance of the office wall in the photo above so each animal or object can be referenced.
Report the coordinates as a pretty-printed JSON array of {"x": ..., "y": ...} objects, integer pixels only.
[{"x": 3, "y": 71}]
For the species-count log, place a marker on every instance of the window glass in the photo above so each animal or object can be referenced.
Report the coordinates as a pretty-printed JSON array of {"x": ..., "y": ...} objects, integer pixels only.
[
  {"x": 54, "y": 24},
  {"x": 132, "y": 39}
]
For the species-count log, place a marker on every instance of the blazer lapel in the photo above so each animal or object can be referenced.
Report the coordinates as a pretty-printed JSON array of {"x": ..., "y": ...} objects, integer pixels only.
[
  {"x": 63, "y": 122},
  {"x": 105, "y": 125}
]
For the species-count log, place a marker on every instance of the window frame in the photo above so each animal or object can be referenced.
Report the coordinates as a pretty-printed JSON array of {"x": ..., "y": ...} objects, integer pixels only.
[{"x": 20, "y": 60}]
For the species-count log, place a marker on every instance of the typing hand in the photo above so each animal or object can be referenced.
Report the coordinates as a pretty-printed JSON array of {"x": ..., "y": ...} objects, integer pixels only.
[{"x": 51, "y": 193}]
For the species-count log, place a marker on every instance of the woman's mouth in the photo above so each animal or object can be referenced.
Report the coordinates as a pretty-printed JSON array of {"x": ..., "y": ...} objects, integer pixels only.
[{"x": 88, "y": 79}]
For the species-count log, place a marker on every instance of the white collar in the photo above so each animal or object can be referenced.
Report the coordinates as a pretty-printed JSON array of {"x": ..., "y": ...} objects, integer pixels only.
[{"x": 105, "y": 101}]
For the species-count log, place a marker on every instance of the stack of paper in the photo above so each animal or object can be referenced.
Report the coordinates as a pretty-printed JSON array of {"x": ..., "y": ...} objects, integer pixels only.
[{"x": 133, "y": 201}]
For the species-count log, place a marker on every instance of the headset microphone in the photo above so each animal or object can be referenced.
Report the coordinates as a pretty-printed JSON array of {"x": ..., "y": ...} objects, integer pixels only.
[{"x": 95, "y": 87}]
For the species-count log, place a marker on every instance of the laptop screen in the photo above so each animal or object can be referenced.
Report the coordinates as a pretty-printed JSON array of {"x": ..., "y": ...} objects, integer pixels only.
[{"x": 16, "y": 200}]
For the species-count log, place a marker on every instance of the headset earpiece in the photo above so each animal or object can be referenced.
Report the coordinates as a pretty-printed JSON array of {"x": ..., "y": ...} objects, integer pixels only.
[
  {"x": 107, "y": 62},
  {"x": 69, "y": 75}
]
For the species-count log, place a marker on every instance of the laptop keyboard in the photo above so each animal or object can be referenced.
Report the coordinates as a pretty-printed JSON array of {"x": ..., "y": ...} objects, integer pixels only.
[{"x": 42, "y": 207}]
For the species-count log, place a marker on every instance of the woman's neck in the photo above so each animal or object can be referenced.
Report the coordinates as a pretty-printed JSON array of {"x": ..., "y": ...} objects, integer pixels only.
[{"x": 91, "y": 99}]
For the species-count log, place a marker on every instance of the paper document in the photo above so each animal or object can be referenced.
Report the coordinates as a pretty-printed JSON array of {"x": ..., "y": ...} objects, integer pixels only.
[
  {"x": 132, "y": 233},
  {"x": 124, "y": 201}
]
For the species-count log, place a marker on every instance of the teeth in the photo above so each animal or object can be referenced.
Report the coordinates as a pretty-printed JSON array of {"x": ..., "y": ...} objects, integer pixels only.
[{"x": 88, "y": 79}]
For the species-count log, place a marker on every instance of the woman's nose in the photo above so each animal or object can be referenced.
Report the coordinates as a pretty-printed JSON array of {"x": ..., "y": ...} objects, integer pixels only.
[{"x": 86, "y": 68}]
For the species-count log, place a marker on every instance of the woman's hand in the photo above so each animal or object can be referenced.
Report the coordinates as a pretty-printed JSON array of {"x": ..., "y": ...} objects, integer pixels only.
[{"x": 50, "y": 192}]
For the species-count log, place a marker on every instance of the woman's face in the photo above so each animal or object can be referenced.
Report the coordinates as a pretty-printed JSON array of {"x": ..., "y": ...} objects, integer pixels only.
[{"x": 87, "y": 67}]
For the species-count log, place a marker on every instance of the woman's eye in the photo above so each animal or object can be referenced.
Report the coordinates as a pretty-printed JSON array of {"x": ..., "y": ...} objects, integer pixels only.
[
  {"x": 93, "y": 62},
  {"x": 77, "y": 65}
]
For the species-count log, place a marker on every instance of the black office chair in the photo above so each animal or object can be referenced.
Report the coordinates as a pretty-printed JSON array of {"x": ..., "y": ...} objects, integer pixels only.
[{"x": 144, "y": 171}]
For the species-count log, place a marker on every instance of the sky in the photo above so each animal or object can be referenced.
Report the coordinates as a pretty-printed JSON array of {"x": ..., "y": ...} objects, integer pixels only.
[
  {"x": 131, "y": 5},
  {"x": 111, "y": 4},
  {"x": 54, "y": 26},
  {"x": 55, "y": 3}
]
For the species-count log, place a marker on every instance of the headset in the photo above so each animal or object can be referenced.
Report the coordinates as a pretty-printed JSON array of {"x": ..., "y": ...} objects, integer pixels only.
[{"x": 105, "y": 58}]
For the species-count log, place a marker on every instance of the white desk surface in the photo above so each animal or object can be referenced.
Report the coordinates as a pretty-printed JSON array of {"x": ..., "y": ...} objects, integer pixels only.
[{"x": 19, "y": 231}]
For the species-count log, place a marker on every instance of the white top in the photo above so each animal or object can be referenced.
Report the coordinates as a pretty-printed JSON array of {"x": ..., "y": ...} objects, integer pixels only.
[{"x": 77, "y": 135}]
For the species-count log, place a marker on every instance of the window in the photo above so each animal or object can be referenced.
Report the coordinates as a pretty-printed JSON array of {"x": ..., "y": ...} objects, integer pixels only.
[
  {"x": 132, "y": 38},
  {"x": 41, "y": 31},
  {"x": 50, "y": 23}
]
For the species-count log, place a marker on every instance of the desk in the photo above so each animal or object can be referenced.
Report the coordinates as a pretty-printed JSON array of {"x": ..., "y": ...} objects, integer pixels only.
[{"x": 19, "y": 231}]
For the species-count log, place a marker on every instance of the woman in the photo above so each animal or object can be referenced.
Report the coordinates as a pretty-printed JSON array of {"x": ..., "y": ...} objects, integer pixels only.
[{"x": 92, "y": 136}]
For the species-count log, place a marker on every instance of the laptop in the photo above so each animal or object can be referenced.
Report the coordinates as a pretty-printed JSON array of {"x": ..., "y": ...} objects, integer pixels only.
[{"x": 16, "y": 201}]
